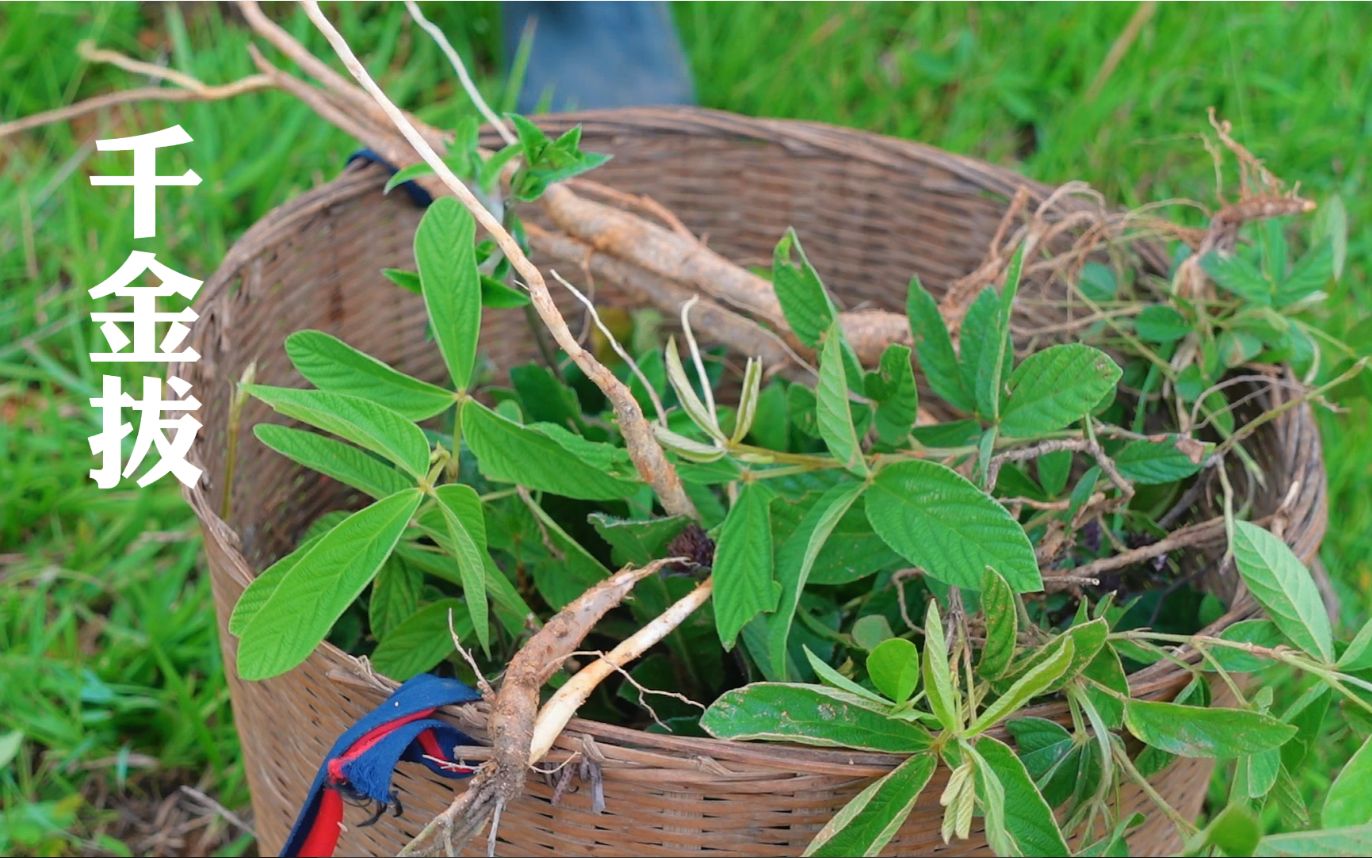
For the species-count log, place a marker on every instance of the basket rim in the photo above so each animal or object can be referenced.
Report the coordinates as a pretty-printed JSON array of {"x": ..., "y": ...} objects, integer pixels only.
[{"x": 1159, "y": 681}]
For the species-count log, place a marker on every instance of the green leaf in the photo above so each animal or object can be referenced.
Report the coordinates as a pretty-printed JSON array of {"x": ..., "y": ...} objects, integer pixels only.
[
  {"x": 1106, "y": 673},
  {"x": 868, "y": 822},
  {"x": 1082, "y": 491},
  {"x": 1307, "y": 715},
  {"x": 407, "y": 280},
  {"x": 1151, "y": 761},
  {"x": 509, "y": 453},
  {"x": 771, "y": 428},
  {"x": 804, "y": 302},
  {"x": 871, "y": 631},
  {"x": 1057, "y": 387},
  {"x": 1261, "y": 772},
  {"x": 1283, "y": 586},
  {"x": 331, "y": 364},
  {"x": 1086, "y": 640},
  {"x": 324, "y": 582},
  {"x": 1331, "y": 842},
  {"x": 360, "y": 421},
  {"x": 562, "y": 568},
  {"x": 809, "y": 715},
  {"x": 828, "y": 675},
  {"x": 494, "y": 294},
  {"x": 854, "y": 551},
  {"x": 894, "y": 668},
  {"x": 1349, "y": 800},
  {"x": 1150, "y": 463},
  {"x": 1291, "y": 805},
  {"x": 465, "y": 524},
  {"x": 547, "y": 162},
  {"x": 422, "y": 641},
  {"x": 933, "y": 517},
  {"x": 342, "y": 462},
  {"x": 1332, "y": 224},
  {"x": 498, "y": 296},
  {"x": 797, "y": 558},
  {"x": 944, "y": 701},
  {"x": 1035, "y": 681},
  {"x": 832, "y": 410},
  {"x": 1234, "y": 831},
  {"x": 980, "y": 327},
  {"x": 1161, "y": 324},
  {"x": 1098, "y": 282},
  {"x": 545, "y": 397},
  {"x": 691, "y": 403},
  {"x": 893, "y": 389},
  {"x": 1260, "y": 632},
  {"x": 1002, "y": 625},
  {"x": 1358, "y": 655},
  {"x": 639, "y": 542},
  {"x": 10, "y": 743},
  {"x": 935, "y": 348},
  {"x": 688, "y": 449},
  {"x": 1028, "y": 818},
  {"x": 985, "y": 447},
  {"x": 991, "y": 794},
  {"x": 261, "y": 588},
  {"x": 1308, "y": 275},
  {"x": 445, "y": 252},
  {"x": 531, "y": 137},
  {"x": 1239, "y": 276},
  {"x": 1049, "y": 755},
  {"x": 1272, "y": 243},
  {"x": 800, "y": 404},
  {"x": 1233, "y": 348},
  {"x": 1054, "y": 470},
  {"x": 405, "y": 174},
  {"x": 1201, "y": 731},
  {"x": 510, "y": 608},
  {"x": 749, "y": 393},
  {"x": 997, "y": 355},
  {"x": 395, "y": 596},
  {"x": 745, "y": 585}
]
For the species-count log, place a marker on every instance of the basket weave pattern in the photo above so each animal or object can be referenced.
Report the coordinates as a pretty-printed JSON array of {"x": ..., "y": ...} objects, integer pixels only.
[{"x": 872, "y": 211}]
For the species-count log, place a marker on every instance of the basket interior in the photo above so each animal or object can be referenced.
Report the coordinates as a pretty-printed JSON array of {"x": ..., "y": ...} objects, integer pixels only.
[
  {"x": 871, "y": 213},
  {"x": 868, "y": 224}
]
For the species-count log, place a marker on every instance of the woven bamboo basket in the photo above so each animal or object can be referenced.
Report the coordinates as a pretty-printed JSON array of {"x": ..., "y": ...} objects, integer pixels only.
[{"x": 872, "y": 211}]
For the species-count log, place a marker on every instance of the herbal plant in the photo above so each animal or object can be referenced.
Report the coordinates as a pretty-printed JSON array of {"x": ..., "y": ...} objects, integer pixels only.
[{"x": 1029, "y": 523}]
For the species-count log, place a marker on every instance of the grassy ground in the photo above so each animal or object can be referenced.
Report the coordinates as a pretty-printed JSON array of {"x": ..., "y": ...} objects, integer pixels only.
[{"x": 111, "y": 692}]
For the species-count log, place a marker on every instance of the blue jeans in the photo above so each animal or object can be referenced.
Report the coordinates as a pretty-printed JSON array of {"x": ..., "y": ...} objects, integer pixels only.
[{"x": 590, "y": 54}]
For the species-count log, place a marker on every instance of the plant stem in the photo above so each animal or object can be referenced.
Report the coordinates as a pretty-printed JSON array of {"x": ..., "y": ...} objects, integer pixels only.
[
  {"x": 1332, "y": 678},
  {"x": 648, "y": 456},
  {"x": 560, "y": 708},
  {"x": 1182, "y": 824}
]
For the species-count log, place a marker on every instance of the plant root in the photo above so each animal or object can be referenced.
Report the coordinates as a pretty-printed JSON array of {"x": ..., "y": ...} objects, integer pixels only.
[{"x": 511, "y": 722}]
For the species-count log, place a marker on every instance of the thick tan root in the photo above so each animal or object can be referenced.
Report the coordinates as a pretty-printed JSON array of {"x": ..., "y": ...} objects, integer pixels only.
[
  {"x": 686, "y": 260},
  {"x": 511, "y": 722},
  {"x": 564, "y": 703}
]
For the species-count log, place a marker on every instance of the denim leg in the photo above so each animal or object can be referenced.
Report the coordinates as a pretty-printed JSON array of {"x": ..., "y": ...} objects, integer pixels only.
[{"x": 596, "y": 54}]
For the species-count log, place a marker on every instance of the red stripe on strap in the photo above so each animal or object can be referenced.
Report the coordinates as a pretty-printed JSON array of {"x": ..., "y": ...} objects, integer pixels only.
[
  {"x": 328, "y": 823},
  {"x": 368, "y": 740},
  {"x": 429, "y": 742}
]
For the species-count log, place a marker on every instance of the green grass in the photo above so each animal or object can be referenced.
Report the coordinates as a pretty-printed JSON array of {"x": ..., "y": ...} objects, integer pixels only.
[{"x": 109, "y": 662}]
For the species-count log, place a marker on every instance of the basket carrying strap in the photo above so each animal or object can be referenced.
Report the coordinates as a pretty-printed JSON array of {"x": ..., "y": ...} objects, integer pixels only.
[
  {"x": 418, "y": 195},
  {"x": 361, "y": 763}
]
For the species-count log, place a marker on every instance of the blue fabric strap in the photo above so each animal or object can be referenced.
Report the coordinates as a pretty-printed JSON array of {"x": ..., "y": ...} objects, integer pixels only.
[
  {"x": 361, "y": 764},
  {"x": 418, "y": 195}
]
